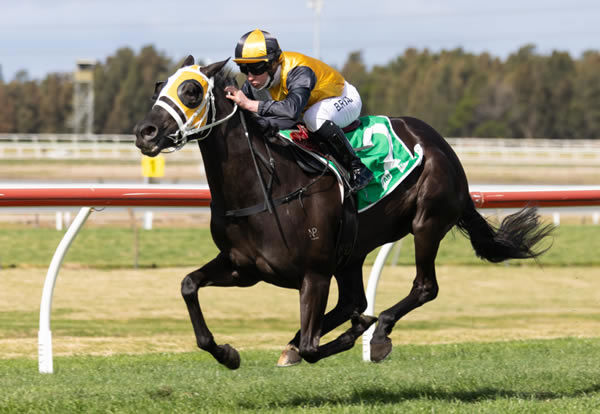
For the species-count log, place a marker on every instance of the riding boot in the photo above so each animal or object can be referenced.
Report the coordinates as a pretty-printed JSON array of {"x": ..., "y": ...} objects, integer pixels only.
[{"x": 333, "y": 135}]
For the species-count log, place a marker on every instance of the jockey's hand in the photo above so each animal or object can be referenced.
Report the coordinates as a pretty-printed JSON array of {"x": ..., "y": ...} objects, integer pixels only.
[{"x": 238, "y": 97}]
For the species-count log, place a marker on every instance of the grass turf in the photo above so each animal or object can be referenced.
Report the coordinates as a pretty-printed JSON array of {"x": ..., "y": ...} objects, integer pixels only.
[{"x": 506, "y": 377}]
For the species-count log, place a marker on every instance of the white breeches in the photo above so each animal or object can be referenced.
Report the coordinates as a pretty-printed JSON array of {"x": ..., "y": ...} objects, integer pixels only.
[{"x": 341, "y": 110}]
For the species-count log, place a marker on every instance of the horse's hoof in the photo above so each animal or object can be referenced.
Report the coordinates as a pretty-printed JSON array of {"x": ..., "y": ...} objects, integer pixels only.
[
  {"x": 380, "y": 351},
  {"x": 231, "y": 357},
  {"x": 289, "y": 357}
]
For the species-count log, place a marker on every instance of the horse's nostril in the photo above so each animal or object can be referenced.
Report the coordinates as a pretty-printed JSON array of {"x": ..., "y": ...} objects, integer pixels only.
[{"x": 148, "y": 131}]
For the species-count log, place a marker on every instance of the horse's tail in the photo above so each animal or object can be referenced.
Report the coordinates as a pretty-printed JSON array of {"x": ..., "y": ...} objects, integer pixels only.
[{"x": 515, "y": 238}]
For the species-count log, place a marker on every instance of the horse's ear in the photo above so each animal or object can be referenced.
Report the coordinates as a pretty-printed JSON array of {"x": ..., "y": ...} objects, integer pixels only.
[
  {"x": 212, "y": 70},
  {"x": 157, "y": 88},
  {"x": 189, "y": 61}
]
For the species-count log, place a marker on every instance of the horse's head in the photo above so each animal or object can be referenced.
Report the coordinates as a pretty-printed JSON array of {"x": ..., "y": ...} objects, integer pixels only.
[{"x": 181, "y": 109}]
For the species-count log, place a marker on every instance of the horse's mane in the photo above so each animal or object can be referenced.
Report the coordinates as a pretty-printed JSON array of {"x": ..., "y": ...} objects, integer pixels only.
[{"x": 226, "y": 76}]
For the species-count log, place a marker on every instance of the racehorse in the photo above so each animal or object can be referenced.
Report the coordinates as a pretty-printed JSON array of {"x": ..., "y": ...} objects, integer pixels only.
[{"x": 286, "y": 232}]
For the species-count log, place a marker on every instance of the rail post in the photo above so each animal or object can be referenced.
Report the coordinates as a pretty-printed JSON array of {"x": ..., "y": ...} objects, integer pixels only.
[{"x": 45, "y": 363}]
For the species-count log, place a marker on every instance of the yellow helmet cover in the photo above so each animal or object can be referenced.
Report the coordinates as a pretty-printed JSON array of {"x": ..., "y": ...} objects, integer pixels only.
[{"x": 257, "y": 46}]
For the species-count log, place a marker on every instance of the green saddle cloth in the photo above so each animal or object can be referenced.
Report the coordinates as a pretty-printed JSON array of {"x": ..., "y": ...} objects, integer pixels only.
[{"x": 384, "y": 153}]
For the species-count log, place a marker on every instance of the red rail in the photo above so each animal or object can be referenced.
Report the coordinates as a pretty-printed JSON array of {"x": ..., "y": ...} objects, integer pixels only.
[
  {"x": 174, "y": 196},
  {"x": 539, "y": 198},
  {"x": 104, "y": 197}
]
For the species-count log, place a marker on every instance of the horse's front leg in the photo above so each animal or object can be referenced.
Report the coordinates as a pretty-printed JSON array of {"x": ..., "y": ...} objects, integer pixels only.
[{"x": 218, "y": 272}]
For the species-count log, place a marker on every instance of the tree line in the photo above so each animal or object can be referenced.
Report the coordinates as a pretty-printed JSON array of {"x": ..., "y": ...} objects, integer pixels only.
[{"x": 526, "y": 95}]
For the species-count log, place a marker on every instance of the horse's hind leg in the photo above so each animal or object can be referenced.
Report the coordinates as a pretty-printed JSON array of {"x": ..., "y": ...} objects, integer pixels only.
[
  {"x": 351, "y": 303},
  {"x": 427, "y": 236},
  {"x": 217, "y": 272}
]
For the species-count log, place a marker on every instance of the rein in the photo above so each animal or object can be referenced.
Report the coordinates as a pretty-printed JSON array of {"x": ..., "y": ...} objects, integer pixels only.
[
  {"x": 269, "y": 204},
  {"x": 268, "y": 200}
]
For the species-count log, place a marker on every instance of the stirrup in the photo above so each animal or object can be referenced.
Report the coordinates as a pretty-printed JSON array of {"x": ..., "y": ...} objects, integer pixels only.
[{"x": 360, "y": 178}]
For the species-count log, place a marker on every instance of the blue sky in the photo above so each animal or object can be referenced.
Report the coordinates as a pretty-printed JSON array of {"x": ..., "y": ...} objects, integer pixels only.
[{"x": 49, "y": 36}]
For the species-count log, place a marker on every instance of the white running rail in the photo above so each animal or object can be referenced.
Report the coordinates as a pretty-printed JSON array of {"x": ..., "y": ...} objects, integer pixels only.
[{"x": 483, "y": 150}]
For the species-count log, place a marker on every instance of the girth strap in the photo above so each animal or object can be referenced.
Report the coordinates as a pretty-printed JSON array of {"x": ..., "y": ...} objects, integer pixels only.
[
  {"x": 259, "y": 208},
  {"x": 348, "y": 233}
]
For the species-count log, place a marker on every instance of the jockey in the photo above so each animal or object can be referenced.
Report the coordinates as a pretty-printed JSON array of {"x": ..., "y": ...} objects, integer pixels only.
[{"x": 286, "y": 87}]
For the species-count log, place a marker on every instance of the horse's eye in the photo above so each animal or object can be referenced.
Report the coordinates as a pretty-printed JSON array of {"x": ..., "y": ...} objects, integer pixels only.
[{"x": 190, "y": 93}]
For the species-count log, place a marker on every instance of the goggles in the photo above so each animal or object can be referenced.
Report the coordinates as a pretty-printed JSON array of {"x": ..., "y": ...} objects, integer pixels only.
[{"x": 257, "y": 68}]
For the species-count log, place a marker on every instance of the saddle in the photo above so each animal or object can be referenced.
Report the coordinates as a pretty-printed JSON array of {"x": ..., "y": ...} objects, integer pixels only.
[{"x": 305, "y": 139}]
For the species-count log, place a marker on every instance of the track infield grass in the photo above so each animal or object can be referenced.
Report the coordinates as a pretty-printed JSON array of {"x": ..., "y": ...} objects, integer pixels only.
[{"x": 100, "y": 246}]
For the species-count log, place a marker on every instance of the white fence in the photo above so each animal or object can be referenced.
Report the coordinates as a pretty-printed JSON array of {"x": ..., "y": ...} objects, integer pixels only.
[
  {"x": 527, "y": 151},
  {"x": 482, "y": 150},
  {"x": 78, "y": 147}
]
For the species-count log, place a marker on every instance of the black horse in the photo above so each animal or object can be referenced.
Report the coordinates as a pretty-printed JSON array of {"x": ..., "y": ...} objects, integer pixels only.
[{"x": 285, "y": 233}]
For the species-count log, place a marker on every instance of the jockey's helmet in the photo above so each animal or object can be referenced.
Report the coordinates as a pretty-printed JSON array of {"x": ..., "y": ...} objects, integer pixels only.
[{"x": 256, "y": 50}]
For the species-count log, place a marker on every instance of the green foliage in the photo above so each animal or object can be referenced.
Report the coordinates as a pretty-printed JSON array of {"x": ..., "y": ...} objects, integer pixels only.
[
  {"x": 462, "y": 94},
  {"x": 585, "y": 109},
  {"x": 547, "y": 376},
  {"x": 459, "y": 93},
  {"x": 56, "y": 103},
  {"x": 123, "y": 88}
]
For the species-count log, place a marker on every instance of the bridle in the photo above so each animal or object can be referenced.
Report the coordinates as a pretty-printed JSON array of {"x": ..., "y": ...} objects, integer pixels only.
[{"x": 197, "y": 122}]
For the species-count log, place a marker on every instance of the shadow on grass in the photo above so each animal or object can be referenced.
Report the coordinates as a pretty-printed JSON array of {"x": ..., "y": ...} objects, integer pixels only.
[{"x": 375, "y": 397}]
